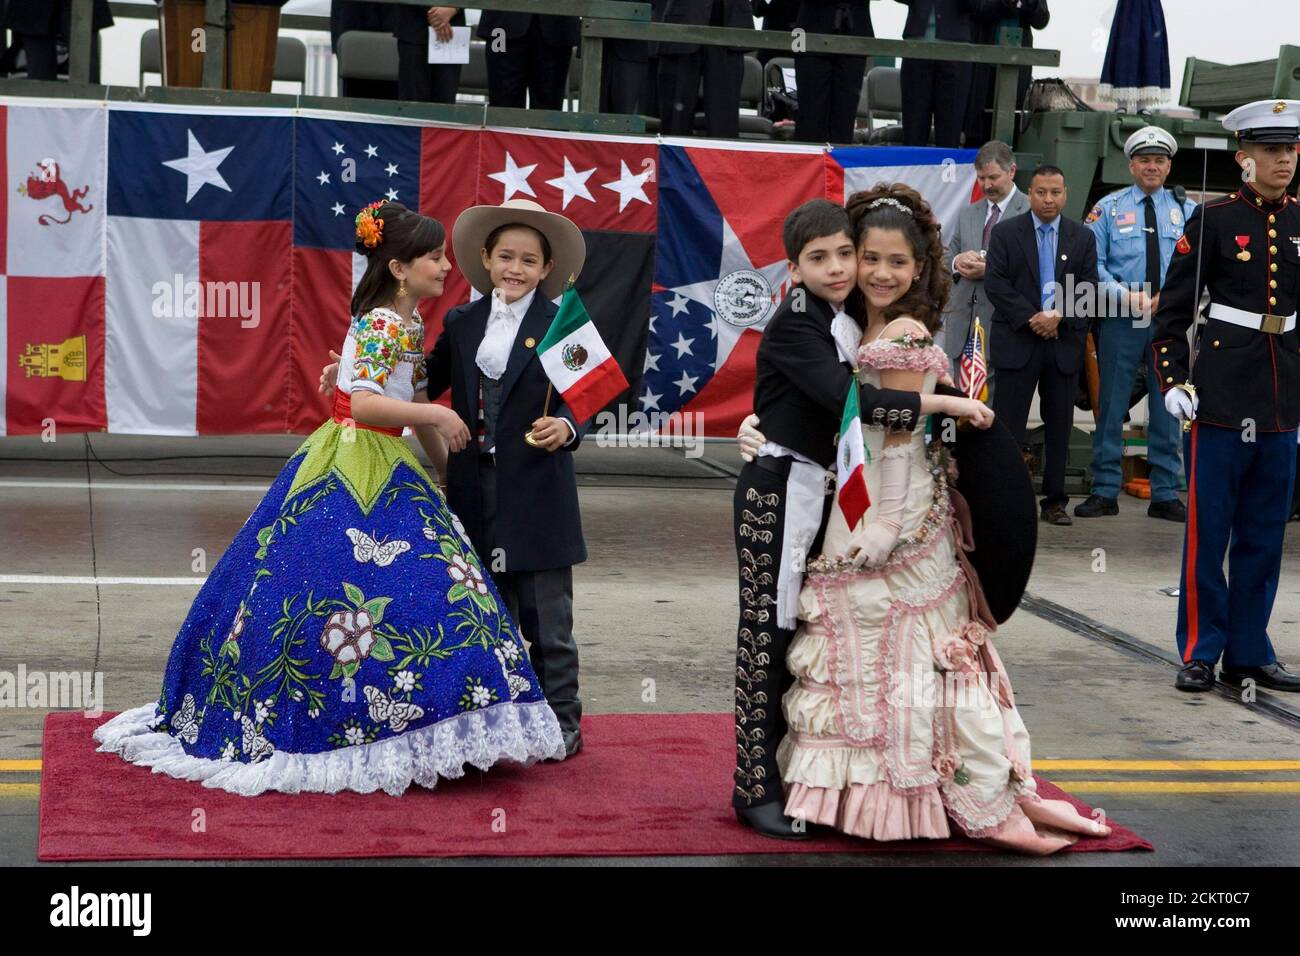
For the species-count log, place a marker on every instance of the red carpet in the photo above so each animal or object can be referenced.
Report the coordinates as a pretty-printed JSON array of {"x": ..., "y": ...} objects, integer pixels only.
[{"x": 644, "y": 785}]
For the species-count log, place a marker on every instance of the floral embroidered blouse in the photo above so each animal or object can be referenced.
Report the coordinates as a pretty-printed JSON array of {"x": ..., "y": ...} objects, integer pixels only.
[{"x": 382, "y": 355}]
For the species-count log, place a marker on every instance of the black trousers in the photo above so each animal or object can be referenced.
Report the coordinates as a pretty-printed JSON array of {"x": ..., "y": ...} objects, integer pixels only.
[
  {"x": 541, "y": 605},
  {"x": 761, "y": 675},
  {"x": 622, "y": 85},
  {"x": 933, "y": 91},
  {"x": 829, "y": 90},
  {"x": 679, "y": 87},
  {"x": 42, "y": 56},
  {"x": 424, "y": 82},
  {"x": 529, "y": 72},
  {"x": 1056, "y": 391}
]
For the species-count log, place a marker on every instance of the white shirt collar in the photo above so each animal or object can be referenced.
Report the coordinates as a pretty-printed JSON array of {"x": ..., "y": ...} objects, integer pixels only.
[
  {"x": 1002, "y": 206},
  {"x": 520, "y": 306}
]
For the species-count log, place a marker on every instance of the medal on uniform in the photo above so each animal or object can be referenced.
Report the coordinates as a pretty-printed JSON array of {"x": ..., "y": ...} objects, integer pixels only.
[
  {"x": 1176, "y": 217},
  {"x": 1244, "y": 255}
]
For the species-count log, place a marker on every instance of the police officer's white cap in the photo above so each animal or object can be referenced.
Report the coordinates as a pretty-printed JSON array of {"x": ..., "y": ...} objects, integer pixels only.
[
  {"x": 1266, "y": 121},
  {"x": 1151, "y": 140}
]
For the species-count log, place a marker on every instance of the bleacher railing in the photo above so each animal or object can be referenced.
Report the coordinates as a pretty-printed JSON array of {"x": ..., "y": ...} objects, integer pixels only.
[{"x": 601, "y": 20}]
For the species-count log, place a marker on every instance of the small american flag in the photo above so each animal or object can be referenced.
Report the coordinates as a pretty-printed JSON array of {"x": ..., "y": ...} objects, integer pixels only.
[{"x": 972, "y": 373}]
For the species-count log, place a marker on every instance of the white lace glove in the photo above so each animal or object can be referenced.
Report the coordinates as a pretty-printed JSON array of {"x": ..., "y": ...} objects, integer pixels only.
[
  {"x": 750, "y": 438},
  {"x": 871, "y": 544},
  {"x": 1181, "y": 405}
]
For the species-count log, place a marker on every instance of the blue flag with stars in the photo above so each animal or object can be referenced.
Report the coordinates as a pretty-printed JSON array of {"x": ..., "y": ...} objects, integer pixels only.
[{"x": 341, "y": 167}]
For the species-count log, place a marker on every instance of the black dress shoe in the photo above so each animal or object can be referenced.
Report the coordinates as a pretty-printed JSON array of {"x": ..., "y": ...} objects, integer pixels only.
[
  {"x": 572, "y": 741},
  {"x": 1196, "y": 676},
  {"x": 1056, "y": 514},
  {"x": 1096, "y": 506},
  {"x": 1272, "y": 676},
  {"x": 1171, "y": 510},
  {"x": 767, "y": 819}
]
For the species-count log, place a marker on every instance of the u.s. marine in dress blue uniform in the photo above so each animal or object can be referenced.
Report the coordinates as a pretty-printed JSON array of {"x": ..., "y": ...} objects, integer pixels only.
[{"x": 1241, "y": 395}]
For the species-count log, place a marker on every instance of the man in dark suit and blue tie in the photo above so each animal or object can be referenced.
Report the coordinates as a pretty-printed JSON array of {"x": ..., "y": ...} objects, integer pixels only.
[{"x": 1041, "y": 279}]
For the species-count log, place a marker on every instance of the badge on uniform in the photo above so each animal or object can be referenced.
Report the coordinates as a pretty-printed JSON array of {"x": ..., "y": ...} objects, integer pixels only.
[
  {"x": 1243, "y": 242},
  {"x": 1093, "y": 216},
  {"x": 1128, "y": 219},
  {"x": 1184, "y": 245},
  {"x": 1176, "y": 217}
]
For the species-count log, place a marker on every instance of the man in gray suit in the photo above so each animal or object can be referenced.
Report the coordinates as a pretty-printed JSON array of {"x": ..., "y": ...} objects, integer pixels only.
[{"x": 995, "y": 167}]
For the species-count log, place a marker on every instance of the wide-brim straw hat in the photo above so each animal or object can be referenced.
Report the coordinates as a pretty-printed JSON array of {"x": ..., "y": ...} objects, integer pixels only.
[{"x": 469, "y": 235}]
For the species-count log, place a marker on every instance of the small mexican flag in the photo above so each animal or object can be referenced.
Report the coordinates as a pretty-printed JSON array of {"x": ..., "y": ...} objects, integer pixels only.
[
  {"x": 577, "y": 361},
  {"x": 850, "y": 477}
]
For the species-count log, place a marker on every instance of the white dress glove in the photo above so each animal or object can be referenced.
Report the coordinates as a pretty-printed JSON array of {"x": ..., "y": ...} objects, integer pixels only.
[
  {"x": 750, "y": 438},
  {"x": 871, "y": 544},
  {"x": 1181, "y": 405}
]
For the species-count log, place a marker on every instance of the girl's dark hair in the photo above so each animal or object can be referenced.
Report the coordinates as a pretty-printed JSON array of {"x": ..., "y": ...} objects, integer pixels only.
[
  {"x": 926, "y": 300},
  {"x": 407, "y": 236},
  {"x": 494, "y": 237}
]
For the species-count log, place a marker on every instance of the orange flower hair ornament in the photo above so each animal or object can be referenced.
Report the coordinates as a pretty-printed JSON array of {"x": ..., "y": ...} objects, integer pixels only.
[{"x": 370, "y": 228}]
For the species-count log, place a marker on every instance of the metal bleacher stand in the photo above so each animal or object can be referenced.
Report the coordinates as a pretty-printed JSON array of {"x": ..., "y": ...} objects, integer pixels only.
[{"x": 601, "y": 20}]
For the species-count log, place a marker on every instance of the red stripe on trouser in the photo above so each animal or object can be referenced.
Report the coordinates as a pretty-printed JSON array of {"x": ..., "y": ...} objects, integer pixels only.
[{"x": 1189, "y": 568}]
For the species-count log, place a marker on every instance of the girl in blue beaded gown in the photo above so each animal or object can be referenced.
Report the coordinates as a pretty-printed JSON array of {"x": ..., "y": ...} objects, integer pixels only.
[{"x": 349, "y": 638}]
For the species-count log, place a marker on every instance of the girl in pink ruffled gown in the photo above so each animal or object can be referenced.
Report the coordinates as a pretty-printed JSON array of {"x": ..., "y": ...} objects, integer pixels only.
[{"x": 901, "y": 718}]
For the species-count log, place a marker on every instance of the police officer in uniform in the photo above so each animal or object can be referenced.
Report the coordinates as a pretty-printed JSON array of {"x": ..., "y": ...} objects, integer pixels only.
[
  {"x": 1136, "y": 230},
  {"x": 1240, "y": 395}
]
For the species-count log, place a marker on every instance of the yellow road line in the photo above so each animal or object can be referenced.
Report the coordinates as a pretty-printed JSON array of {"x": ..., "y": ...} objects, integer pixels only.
[
  {"x": 20, "y": 789},
  {"x": 20, "y": 766},
  {"x": 1232, "y": 766},
  {"x": 1178, "y": 786}
]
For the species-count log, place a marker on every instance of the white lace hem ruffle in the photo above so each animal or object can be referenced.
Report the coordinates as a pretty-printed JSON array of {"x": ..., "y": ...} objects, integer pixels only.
[{"x": 523, "y": 733}]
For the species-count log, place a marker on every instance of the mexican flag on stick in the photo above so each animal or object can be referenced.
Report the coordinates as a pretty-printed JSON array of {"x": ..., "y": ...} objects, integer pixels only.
[
  {"x": 850, "y": 475},
  {"x": 577, "y": 361}
]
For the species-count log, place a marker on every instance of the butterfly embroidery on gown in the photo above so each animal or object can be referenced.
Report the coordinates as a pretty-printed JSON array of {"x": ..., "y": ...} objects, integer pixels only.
[
  {"x": 254, "y": 743},
  {"x": 398, "y": 713},
  {"x": 185, "y": 722},
  {"x": 366, "y": 548}
]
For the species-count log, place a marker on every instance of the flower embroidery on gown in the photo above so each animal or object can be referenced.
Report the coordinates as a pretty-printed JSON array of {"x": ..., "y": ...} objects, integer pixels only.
[
  {"x": 349, "y": 638},
  {"x": 901, "y": 717}
]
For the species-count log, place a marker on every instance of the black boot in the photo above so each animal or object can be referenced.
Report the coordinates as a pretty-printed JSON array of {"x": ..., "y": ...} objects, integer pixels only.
[
  {"x": 1171, "y": 510},
  {"x": 1096, "y": 506},
  {"x": 767, "y": 819}
]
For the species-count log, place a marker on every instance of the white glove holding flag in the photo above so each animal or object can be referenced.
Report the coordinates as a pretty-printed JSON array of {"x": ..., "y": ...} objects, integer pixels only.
[
  {"x": 1181, "y": 405},
  {"x": 872, "y": 544},
  {"x": 750, "y": 438}
]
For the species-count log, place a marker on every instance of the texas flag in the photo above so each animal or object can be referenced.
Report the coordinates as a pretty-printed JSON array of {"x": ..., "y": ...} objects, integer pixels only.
[
  {"x": 198, "y": 329},
  {"x": 52, "y": 199},
  {"x": 720, "y": 272}
]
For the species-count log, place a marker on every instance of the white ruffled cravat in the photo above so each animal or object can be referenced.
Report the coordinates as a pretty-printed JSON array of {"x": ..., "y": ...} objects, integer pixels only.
[
  {"x": 847, "y": 334},
  {"x": 498, "y": 338}
]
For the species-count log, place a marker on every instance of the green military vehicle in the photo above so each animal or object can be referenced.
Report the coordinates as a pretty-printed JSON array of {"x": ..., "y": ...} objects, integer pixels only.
[{"x": 1089, "y": 145}]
